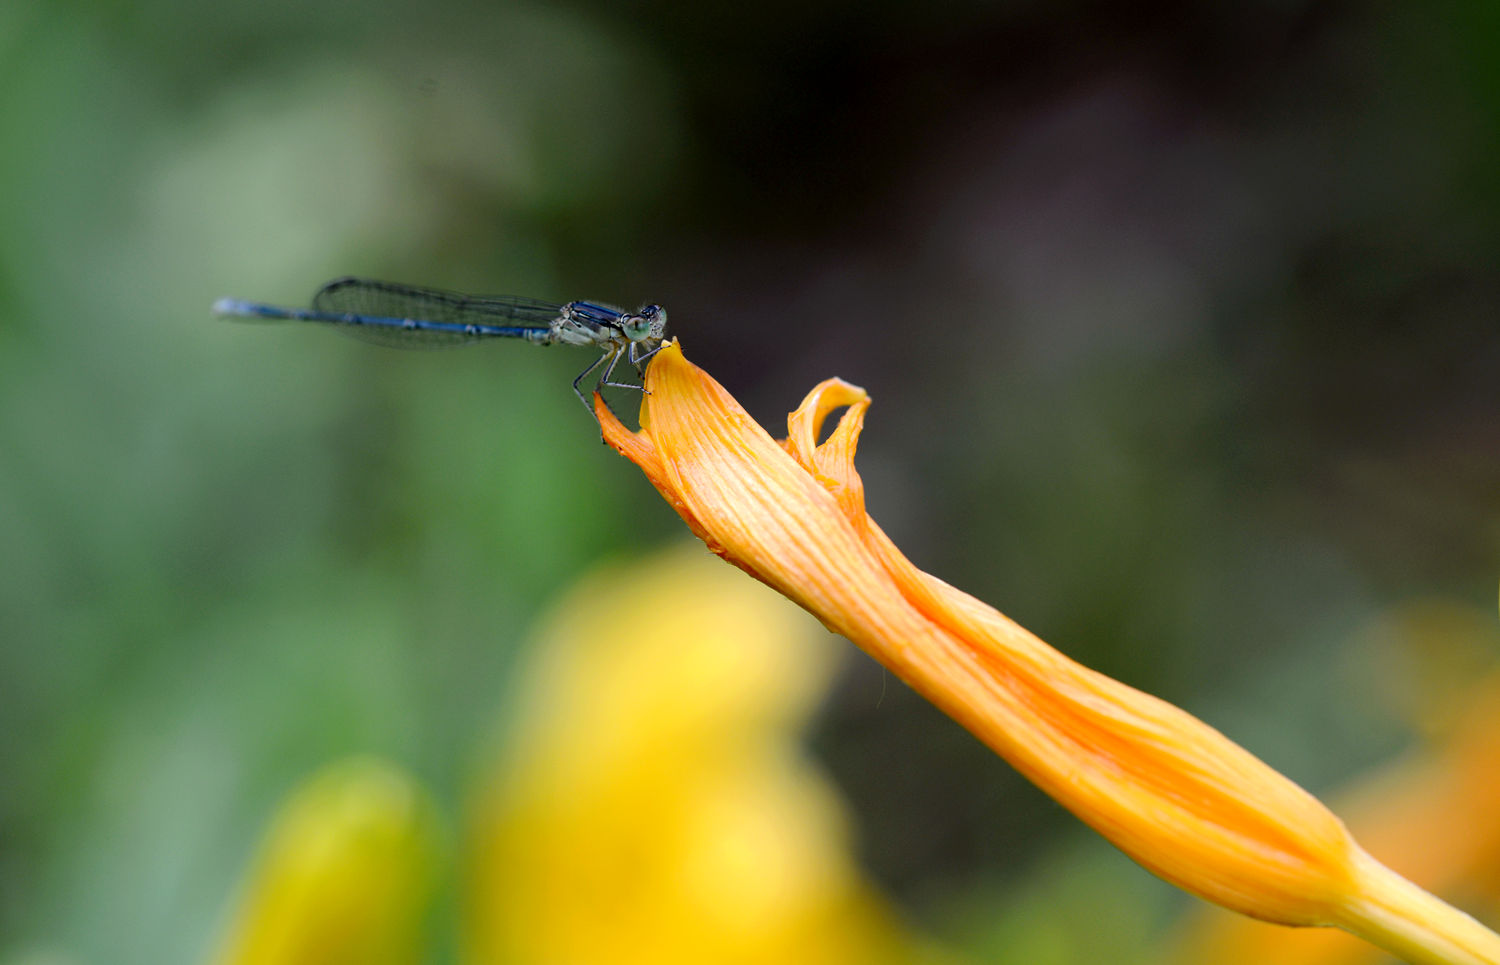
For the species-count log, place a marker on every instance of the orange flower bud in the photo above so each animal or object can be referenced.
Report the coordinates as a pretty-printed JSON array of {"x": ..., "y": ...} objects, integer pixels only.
[{"x": 1170, "y": 791}]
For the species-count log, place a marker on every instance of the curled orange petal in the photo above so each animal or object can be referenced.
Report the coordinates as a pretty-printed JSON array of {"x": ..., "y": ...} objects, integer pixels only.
[{"x": 1167, "y": 789}]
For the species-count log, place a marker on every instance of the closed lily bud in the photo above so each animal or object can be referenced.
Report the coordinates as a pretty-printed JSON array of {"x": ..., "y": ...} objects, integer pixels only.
[
  {"x": 1167, "y": 789},
  {"x": 1436, "y": 812}
]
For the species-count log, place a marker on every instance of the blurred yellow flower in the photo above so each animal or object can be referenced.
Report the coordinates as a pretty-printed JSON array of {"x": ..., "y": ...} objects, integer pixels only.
[
  {"x": 343, "y": 877},
  {"x": 1170, "y": 791},
  {"x": 653, "y": 805}
]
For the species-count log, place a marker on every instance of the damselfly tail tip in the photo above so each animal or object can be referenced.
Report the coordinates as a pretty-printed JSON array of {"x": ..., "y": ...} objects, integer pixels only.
[
  {"x": 227, "y": 306},
  {"x": 239, "y": 308}
]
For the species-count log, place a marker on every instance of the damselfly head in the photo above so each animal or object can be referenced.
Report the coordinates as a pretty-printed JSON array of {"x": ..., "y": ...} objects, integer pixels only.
[{"x": 648, "y": 323}]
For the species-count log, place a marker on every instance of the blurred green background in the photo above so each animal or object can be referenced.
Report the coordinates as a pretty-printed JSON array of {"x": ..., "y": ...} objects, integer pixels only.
[{"x": 1180, "y": 320}]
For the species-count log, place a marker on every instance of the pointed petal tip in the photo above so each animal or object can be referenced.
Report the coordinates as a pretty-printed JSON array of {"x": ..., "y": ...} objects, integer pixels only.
[{"x": 617, "y": 435}]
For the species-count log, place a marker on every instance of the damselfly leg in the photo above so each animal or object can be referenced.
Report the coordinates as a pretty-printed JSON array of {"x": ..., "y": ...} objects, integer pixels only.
[
  {"x": 585, "y": 374},
  {"x": 609, "y": 373}
]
